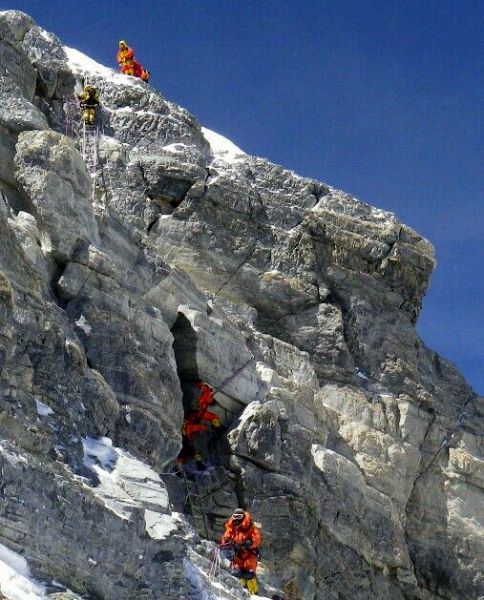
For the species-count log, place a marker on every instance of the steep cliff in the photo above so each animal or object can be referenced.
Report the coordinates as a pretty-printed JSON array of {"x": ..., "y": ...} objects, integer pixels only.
[{"x": 154, "y": 253}]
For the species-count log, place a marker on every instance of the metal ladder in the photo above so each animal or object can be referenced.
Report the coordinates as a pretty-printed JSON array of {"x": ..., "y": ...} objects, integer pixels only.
[{"x": 89, "y": 143}]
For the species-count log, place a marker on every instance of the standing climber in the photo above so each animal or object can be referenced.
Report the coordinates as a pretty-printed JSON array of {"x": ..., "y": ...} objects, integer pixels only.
[
  {"x": 195, "y": 422},
  {"x": 206, "y": 397},
  {"x": 125, "y": 58},
  {"x": 127, "y": 63},
  {"x": 89, "y": 101},
  {"x": 240, "y": 542}
]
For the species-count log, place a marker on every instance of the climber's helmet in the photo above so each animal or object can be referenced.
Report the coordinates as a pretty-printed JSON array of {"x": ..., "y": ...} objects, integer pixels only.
[
  {"x": 238, "y": 515},
  {"x": 123, "y": 44}
]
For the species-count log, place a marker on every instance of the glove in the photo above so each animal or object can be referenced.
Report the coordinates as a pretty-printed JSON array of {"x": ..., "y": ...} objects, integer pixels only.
[
  {"x": 247, "y": 544},
  {"x": 227, "y": 550}
]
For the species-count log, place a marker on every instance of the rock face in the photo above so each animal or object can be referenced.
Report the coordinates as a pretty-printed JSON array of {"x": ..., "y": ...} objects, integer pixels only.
[{"x": 143, "y": 258}]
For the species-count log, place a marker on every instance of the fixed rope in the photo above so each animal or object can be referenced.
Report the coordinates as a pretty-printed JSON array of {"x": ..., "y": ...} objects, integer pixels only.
[
  {"x": 194, "y": 504},
  {"x": 197, "y": 501},
  {"x": 234, "y": 375},
  {"x": 215, "y": 566},
  {"x": 71, "y": 118}
]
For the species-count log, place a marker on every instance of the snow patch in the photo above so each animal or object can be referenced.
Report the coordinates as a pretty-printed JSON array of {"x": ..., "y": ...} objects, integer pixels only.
[
  {"x": 176, "y": 148},
  {"x": 99, "y": 452},
  {"x": 12, "y": 457},
  {"x": 42, "y": 409},
  {"x": 46, "y": 35},
  {"x": 84, "y": 325},
  {"x": 124, "y": 482},
  {"x": 159, "y": 526},
  {"x": 80, "y": 64},
  {"x": 16, "y": 583},
  {"x": 129, "y": 110},
  {"x": 222, "y": 148}
]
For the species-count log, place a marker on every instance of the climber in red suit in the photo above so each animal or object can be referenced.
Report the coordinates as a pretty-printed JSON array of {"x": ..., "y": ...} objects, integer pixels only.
[
  {"x": 196, "y": 421},
  {"x": 128, "y": 64},
  {"x": 206, "y": 395}
]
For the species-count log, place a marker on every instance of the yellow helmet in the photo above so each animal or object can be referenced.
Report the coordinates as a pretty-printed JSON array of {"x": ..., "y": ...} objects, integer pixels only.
[{"x": 122, "y": 43}]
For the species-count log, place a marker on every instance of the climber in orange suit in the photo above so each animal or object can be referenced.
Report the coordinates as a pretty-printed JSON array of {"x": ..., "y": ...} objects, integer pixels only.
[
  {"x": 195, "y": 422},
  {"x": 128, "y": 64},
  {"x": 240, "y": 542},
  {"x": 125, "y": 57}
]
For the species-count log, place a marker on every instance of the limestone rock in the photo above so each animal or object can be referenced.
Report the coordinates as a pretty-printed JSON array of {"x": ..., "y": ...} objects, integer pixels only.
[
  {"x": 153, "y": 254},
  {"x": 16, "y": 66},
  {"x": 20, "y": 114},
  {"x": 57, "y": 183},
  {"x": 6, "y": 309}
]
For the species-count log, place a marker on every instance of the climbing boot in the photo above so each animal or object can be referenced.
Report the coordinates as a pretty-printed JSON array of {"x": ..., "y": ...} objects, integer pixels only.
[{"x": 252, "y": 585}]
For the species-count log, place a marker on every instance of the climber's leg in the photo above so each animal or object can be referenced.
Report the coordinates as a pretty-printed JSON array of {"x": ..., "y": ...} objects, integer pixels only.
[{"x": 252, "y": 584}]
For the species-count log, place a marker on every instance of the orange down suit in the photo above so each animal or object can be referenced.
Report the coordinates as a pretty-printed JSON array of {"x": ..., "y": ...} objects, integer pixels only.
[
  {"x": 235, "y": 533},
  {"x": 125, "y": 58},
  {"x": 194, "y": 422},
  {"x": 206, "y": 395},
  {"x": 128, "y": 64},
  {"x": 197, "y": 421}
]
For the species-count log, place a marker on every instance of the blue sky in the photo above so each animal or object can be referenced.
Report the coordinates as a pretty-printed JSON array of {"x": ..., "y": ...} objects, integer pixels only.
[{"x": 381, "y": 98}]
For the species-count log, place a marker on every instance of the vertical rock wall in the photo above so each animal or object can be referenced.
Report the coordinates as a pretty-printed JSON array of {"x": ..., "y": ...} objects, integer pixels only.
[{"x": 163, "y": 261}]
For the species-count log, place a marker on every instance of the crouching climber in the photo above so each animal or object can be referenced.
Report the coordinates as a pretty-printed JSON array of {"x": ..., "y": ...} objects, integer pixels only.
[
  {"x": 127, "y": 63},
  {"x": 240, "y": 543},
  {"x": 195, "y": 422},
  {"x": 89, "y": 101}
]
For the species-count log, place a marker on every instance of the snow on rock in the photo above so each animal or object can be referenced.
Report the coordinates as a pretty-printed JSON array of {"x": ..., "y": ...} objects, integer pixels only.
[
  {"x": 127, "y": 483},
  {"x": 222, "y": 148},
  {"x": 361, "y": 375},
  {"x": 276, "y": 245},
  {"x": 99, "y": 453},
  {"x": 83, "y": 324},
  {"x": 161, "y": 526},
  {"x": 81, "y": 64},
  {"x": 42, "y": 409},
  {"x": 205, "y": 589},
  {"x": 16, "y": 583},
  {"x": 176, "y": 148},
  {"x": 213, "y": 581}
]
